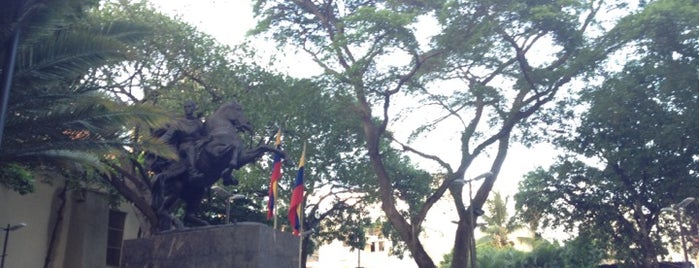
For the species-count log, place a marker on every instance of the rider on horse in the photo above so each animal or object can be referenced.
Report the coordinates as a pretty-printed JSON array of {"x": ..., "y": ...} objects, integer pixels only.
[
  {"x": 213, "y": 150},
  {"x": 183, "y": 135}
]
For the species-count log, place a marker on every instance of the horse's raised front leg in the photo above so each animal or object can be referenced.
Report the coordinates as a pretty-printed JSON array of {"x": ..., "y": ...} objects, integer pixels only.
[{"x": 227, "y": 173}]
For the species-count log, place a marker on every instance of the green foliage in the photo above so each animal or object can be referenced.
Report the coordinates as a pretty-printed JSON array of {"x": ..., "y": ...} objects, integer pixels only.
[
  {"x": 544, "y": 254},
  {"x": 583, "y": 251},
  {"x": 493, "y": 257},
  {"x": 634, "y": 151},
  {"x": 179, "y": 63},
  {"x": 56, "y": 120},
  {"x": 499, "y": 225},
  {"x": 412, "y": 185},
  {"x": 482, "y": 79},
  {"x": 17, "y": 178},
  {"x": 213, "y": 209},
  {"x": 577, "y": 253},
  {"x": 182, "y": 63},
  {"x": 666, "y": 27}
]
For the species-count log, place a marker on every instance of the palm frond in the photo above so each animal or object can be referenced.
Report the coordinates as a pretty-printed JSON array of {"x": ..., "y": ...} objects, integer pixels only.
[
  {"x": 157, "y": 147},
  {"x": 55, "y": 120},
  {"x": 68, "y": 55},
  {"x": 82, "y": 122},
  {"x": 66, "y": 159},
  {"x": 124, "y": 31},
  {"x": 39, "y": 19}
]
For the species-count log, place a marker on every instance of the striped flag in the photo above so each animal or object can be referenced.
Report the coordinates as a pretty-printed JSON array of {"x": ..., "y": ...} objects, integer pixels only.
[
  {"x": 276, "y": 174},
  {"x": 295, "y": 208}
]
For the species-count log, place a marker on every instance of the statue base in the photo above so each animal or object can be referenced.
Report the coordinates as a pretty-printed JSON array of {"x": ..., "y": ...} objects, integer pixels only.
[{"x": 240, "y": 245}]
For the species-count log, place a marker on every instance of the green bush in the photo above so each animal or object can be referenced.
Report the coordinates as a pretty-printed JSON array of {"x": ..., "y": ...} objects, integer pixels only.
[
  {"x": 17, "y": 178},
  {"x": 576, "y": 253}
]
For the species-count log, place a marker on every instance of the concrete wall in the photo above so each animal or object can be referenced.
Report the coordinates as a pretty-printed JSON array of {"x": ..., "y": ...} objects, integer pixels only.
[
  {"x": 27, "y": 247},
  {"x": 87, "y": 231},
  {"x": 80, "y": 229},
  {"x": 242, "y": 245}
]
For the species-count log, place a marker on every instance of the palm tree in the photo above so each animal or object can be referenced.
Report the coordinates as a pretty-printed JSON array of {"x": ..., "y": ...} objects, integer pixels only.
[
  {"x": 57, "y": 120},
  {"x": 499, "y": 225}
]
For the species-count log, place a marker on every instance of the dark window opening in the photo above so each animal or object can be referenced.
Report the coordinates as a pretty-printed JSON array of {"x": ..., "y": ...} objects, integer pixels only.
[{"x": 115, "y": 236}]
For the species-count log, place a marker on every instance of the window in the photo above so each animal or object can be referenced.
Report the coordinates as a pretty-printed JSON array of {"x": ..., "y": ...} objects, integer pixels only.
[{"x": 115, "y": 235}]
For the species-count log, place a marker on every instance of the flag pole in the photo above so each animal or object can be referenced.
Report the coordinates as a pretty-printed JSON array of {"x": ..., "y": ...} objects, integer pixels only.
[
  {"x": 301, "y": 248},
  {"x": 278, "y": 144},
  {"x": 296, "y": 209},
  {"x": 301, "y": 215},
  {"x": 302, "y": 235},
  {"x": 274, "y": 181}
]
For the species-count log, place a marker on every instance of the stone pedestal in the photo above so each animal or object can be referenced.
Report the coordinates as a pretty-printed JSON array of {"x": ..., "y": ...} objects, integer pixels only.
[{"x": 241, "y": 245}]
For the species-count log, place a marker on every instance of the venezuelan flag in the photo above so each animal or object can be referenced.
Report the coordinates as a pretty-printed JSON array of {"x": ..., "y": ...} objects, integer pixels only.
[
  {"x": 296, "y": 208},
  {"x": 276, "y": 174}
]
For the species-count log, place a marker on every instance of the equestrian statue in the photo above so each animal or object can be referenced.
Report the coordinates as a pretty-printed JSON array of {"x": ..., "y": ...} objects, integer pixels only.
[{"x": 208, "y": 151}]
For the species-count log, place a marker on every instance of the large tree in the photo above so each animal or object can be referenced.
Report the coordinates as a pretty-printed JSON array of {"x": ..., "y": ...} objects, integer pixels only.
[
  {"x": 635, "y": 150},
  {"x": 183, "y": 63},
  {"x": 491, "y": 68}
]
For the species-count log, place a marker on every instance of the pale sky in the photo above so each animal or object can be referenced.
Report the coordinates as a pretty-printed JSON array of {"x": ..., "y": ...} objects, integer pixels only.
[{"x": 227, "y": 20}]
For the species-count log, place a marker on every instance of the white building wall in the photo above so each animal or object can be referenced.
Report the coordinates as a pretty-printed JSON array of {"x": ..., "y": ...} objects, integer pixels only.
[
  {"x": 26, "y": 247},
  {"x": 29, "y": 246},
  {"x": 337, "y": 255}
]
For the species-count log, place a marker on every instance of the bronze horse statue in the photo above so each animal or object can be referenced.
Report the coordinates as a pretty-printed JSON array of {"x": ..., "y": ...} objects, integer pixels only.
[{"x": 217, "y": 154}]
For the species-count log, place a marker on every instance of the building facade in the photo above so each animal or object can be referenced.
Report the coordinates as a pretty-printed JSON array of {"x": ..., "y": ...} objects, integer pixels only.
[
  {"x": 64, "y": 227},
  {"x": 374, "y": 255}
]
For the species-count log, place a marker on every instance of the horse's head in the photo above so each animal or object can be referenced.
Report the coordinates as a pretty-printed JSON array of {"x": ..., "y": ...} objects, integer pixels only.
[{"x": 232, "y": 113}]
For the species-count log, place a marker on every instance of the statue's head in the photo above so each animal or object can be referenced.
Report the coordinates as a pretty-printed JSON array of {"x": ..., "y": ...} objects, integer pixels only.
[{"x": 189, "y": 107}]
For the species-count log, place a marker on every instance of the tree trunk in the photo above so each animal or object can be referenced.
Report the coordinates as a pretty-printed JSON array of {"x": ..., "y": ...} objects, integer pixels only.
[
  {"x": 464, "y": 233},
  {"x": 407, "y": 232},
  {"x": 59, "y": 203},
  {"x": 462, "y": 245},
  {"x": 138, "y": 201},
  {"x": 134, "y": 195}
]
